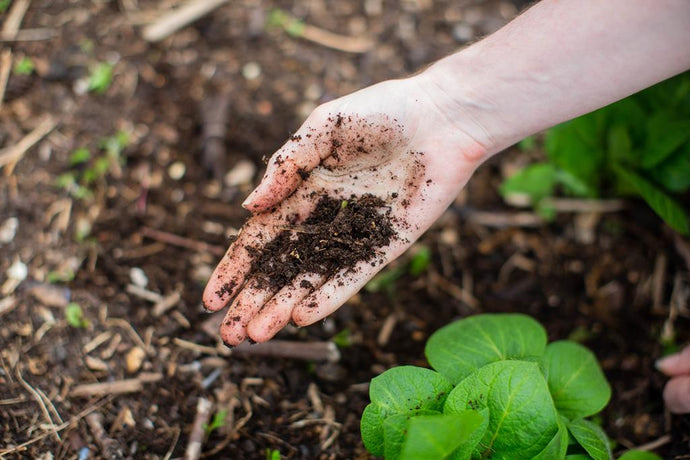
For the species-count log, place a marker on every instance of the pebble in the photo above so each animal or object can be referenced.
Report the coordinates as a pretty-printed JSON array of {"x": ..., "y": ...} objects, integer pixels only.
[
  {"x": 241, "y": 174},
  {"x": 463, "y": 32},
  {"x": 134, "y": 359},
  {"x": 251, "y": 71},
  {"x": 177, "y": 170},
  {"x": 8, "y": 230},
  {"x": 18, "y": 271},
  {"x": 138, "y": 277}
]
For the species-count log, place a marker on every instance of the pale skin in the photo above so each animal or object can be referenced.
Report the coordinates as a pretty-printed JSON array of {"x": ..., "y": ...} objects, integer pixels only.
[{"x": 426, "y": 135}]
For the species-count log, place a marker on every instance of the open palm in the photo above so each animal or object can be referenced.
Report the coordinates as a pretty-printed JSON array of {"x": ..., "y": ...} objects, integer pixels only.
[{"x": 389, "y": 141}]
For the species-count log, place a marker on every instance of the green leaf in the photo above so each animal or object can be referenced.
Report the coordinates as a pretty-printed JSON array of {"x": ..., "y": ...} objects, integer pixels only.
[
  {"x": 420, "y": 261},
  {"x": 385, "y": 280},
  {"x": 574, "y": 185},
  {"x": 639, "y": 455},
  {"x": 74, "y": 316},
  {"x": 557, "y": 447},
  {"x": 522, "y": 417},
  {"x": 673, "y": 174},
  {"x": 576, "y": 382},
  {"x": 537, "y": 181},
  {"x": 665, "y": 135},
  {"x": 25, "y": 66},
  {"x": 395, "y": 429},
  {"x": 460, "y": 348},
  {"x": 4, "y": 5},
  {"x": 79, "y": 156},
  {"x": 667, "y": 208},
  {"x": 436, "y": 437},
  {"x": 592, "y": 438},
  {"x": 219, "y": 420},
  {"x": 101, "y": 77},
  {"x": 619, "y": 145},
  {"x": 400, "y": 390}
]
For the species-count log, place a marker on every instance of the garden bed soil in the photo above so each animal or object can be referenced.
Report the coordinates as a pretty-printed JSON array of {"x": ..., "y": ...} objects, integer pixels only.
[{"x": 130, "y": 377}]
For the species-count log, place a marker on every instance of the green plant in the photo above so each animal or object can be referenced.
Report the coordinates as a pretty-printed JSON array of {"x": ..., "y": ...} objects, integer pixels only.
[
  {"x": 88, "y": 169},
  {"x": 4, "y": 5},
  {"x": 218, "y": 421},
  {"x": 272, "y": 454},
  {"x": 75, "y": 316},
  {"x": 418, "y": 262},
  {"x": 639, "y": 146},
  {"x": 497, "y": 390},
  {"x": 284, "y": 20},
  {"x": 101, "y": 77},
  {"x": 25, "y": 66}
]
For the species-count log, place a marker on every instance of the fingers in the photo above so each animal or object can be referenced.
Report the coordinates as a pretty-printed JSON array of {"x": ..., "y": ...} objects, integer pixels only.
[
  {"x": 676, "y": 364},
  {"x": 337, "y": 290},
  {"x": 246, "y": 305},
  {"x": 229, "y": 275},
  {"x": 277, "y": 312},
  {"x": 677, "y": 395}
]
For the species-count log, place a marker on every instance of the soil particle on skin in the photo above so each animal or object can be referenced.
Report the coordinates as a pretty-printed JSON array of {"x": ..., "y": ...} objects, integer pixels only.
[{"x": 337, "y": 235}]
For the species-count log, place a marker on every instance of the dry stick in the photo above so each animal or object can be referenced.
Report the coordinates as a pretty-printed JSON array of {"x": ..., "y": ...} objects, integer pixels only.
[
  {"x": 9, "y": 29},
  {"x": 665, "y": 439},
  {"x": 658, "y": 282},
  {"x": 12, "y": 154},
  {"x": 336, "y": 41},
  {"x": 308, "y": 351},
  {"x": 41, "y": 404},
  {"x": 28, "y": 35},
  {"x": 110, "y": 448},
  {"x": 176, "y": 20},
  {"x": 180, "y": 241},
  {"x": 198, "y": 433},
  {"x": 116, "y": 387}
]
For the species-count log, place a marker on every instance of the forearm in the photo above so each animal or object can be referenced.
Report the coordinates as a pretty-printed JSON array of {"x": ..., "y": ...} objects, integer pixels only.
[{"x": 561, "y": 59}]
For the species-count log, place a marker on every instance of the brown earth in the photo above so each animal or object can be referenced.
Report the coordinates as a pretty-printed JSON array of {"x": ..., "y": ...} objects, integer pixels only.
[{"x": 133, "y": 247}]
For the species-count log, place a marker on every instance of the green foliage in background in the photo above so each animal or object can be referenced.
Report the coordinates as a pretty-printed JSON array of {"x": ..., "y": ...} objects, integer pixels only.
[
  {"x": 25, "y": 66},
  {"x": 639, "y": 147},
  {"x": 497, "y": 390}
]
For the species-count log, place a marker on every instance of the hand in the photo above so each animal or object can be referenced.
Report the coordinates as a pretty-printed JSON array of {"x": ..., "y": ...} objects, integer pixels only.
[
  {"x": 393, "y": 141},
  {"x": 677, "y": 390}
]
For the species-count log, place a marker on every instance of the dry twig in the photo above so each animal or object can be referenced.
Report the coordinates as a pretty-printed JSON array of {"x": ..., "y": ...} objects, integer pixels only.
[
  {"x": 41, "y": 404},
  {"x": 180, "y": 241},
  {"x": 116, "y": 387},
  {"x": 198, "y": 433},
  {"x": 11, "y": 155},
  {"x": 181, "y": 17},
  {"x": 109, "y": 447},
  {"x": 308, "y": 351}
]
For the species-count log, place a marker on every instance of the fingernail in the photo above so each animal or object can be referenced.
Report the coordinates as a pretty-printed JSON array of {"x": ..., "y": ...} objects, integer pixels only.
[{"x": 248, "y": 201}]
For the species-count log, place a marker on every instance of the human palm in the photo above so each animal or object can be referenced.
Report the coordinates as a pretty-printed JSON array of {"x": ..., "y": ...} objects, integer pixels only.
[{"x": 389, "y": 141}]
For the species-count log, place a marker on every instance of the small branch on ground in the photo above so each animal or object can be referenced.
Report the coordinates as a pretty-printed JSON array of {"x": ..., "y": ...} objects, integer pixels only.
[
  {"x": 198, "y": 434},
  {"x": 11, "y": 155},
  {"x": 110, "y": 448},
  {"x": 175, "y": 20},
  {"x": 116, "y": 387},
  {"x": 180, "y": 241},
  {"x": 307, "y": 351}
]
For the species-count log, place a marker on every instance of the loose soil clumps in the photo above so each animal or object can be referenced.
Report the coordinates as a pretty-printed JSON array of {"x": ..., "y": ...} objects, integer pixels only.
[{"x": 337, "y": 235}]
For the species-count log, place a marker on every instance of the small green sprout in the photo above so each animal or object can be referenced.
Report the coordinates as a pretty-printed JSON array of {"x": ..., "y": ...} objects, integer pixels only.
[
  {"x": 4, "y": 5},
  {"x": 57, "y": 276},
  {"x": 75, "y": 316},
  {"x": 101, "y": 77},
  {"x": 218, "y": 421},
  {"x": 25, "y": 66},
  {"x": 343, "y": 339},
  {"x": 287, "y": 22},
  {"x": 272, "y": 454},
  {"x": 79, "y": 156}
]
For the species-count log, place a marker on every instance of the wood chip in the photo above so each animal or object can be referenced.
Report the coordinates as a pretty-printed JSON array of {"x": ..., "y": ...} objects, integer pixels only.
[
  {"x": 198, "y": 433},
  {"x": 12, "y": 154},
  {"x": 115, "y": 388},
  {"x": 134, "y": 359},
  {"x": 175, "y": 20}
]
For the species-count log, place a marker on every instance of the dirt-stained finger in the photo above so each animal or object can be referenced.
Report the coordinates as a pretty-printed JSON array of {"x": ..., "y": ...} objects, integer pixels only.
[
  {"x": 250, "y": 300},
  {"x": 229, "y": 275},
  {"x": 277, "y": 312}
]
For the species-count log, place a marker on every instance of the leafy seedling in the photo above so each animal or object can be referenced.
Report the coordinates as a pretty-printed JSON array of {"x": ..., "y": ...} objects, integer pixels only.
[
  {"x": 75, "y": 316},
  {"x": 638, "y": 147},
  {"x": 218, "y": 421},
  {"x": 272, "y": 454},
  {"x": 497, "y": 390},
  {"x": 25, "y": 66},
  {"x": 100, "y": 78}
]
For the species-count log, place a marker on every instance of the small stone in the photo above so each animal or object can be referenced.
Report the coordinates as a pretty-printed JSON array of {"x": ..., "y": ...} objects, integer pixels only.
[
  {"x": 8, "y": 230},
  {"x": 134, "y": 359},
  {"x": 124, "y": 420},
  {"x": 463, "y": 32},
  {"x": 241, "y": 174},
  {"x": 251, "y": 71},
  {"x": 138, "y": 277},
  {"x": 177, "y": 170},
  {"x": 18, "y": 271}
]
